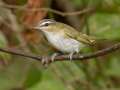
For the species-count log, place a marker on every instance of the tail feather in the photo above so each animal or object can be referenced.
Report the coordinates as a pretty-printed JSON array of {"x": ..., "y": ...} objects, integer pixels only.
[{"x": 103, "y": 43}]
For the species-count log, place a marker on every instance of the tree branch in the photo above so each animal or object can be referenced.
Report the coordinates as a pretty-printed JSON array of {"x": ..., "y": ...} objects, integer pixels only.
[
  {"x": 18, "y": 7},
  {"x": 66, "y": 57}
]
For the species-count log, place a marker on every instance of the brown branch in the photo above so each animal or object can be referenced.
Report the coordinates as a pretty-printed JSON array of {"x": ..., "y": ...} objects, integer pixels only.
[
  {"x": 66, "y": 57},
  {"x": 68, "y": 6},
  {"x": 48, "y": 9}
]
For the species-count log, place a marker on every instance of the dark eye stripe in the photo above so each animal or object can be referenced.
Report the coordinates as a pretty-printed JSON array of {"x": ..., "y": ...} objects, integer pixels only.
[{"x": 46, "y": 23}]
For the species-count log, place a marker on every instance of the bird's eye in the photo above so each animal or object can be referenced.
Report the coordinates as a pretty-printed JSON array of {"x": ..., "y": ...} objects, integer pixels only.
[{"x": 46, "y": 24}]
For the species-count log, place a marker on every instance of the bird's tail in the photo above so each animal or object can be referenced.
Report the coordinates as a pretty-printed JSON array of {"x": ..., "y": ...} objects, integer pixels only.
[
  {"x": 96, "y": 42},
  {"x": 101, "y": 43}
]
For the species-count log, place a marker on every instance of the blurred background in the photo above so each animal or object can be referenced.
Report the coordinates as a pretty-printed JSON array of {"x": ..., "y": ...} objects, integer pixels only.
[{"x": 100, "y": 18}]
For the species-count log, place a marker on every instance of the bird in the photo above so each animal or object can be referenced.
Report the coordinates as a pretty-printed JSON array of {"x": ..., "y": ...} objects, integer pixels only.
[{"x": 64, "y": 37}]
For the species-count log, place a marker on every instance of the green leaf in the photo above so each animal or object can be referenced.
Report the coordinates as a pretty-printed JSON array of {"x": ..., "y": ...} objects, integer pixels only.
[
  {"x": 33, "y": 77},
  {"x": 105, "y": 25},
  {"x": 49, "y": 85},
  {"x": 3, "y": 44}
]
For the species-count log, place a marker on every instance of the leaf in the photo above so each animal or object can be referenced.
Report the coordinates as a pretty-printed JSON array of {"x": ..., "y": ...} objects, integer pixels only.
[
  {"x": 3, "y": 44},
  {"x": 33, "y": 77},
  {"x": 105, "y": 25}
]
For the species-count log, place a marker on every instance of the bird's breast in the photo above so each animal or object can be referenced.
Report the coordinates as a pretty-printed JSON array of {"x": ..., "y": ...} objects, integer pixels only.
[{"x": 64, "y": 44}]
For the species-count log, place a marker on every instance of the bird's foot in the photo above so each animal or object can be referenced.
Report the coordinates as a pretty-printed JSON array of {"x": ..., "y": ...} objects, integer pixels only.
[
  {"x": 45, "y": 61},
  {"x": 71, "y": 56},
  {"x": 53, "y": 57}
]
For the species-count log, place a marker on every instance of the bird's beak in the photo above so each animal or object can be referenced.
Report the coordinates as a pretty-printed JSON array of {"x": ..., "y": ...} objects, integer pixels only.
[{"x": 35, "y": 27}]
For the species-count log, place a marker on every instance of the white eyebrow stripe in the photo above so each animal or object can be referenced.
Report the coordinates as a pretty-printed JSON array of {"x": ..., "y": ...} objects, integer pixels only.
[
  {"x": 46, "y": 22},
  {"x": 43, "y": 23}
]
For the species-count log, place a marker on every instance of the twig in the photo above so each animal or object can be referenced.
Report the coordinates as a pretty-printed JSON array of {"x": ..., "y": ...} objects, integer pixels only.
[
  {"x": 98, "y": 53},
  {"x": 66, "y": 57},
  {"x": 68, "y": 6},
  {"x": 47, "y": 9},
  {"x": 13, "y": 52}
]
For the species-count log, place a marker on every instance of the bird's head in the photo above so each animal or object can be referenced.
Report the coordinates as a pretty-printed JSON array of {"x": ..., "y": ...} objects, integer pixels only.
[{"x": 45, "y": 24}]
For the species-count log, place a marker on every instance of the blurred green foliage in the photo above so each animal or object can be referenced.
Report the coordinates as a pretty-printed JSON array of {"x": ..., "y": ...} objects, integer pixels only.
[
  {"x": 105, "y": 25},
  {"x": 96, "y": 74},
  {"x": 4, "y": 57}
]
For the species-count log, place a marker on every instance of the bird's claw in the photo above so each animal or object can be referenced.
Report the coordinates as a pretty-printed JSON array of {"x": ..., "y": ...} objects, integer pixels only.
[
  {"x": 45, "y": 61},
  {"x": 53, "y": 57},
  {"x": 71, "y": 56}
]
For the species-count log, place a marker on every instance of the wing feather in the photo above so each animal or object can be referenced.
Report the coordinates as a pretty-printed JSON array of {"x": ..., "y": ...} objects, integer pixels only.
[{"x": 71, "y": 32}]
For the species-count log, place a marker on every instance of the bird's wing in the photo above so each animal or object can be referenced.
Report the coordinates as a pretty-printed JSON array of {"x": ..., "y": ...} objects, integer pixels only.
[{"x": 71, "y": 32}]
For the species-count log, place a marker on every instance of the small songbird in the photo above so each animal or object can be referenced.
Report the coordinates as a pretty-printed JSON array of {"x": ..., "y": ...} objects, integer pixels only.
[{"x": 64, "y": 37}]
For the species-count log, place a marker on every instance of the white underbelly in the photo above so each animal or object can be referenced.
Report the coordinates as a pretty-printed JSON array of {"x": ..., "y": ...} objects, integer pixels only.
[{"x": 65, "y": 44}]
